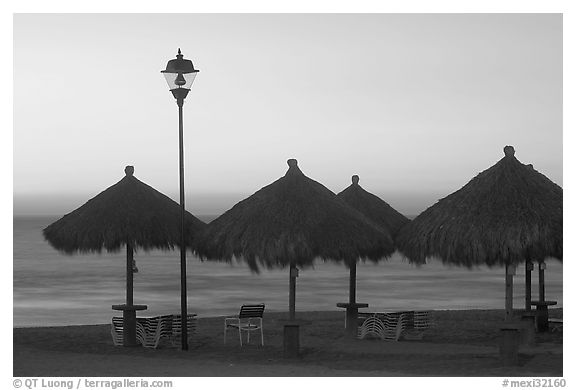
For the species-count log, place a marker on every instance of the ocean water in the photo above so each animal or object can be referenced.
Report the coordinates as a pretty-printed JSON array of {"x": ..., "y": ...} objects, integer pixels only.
[{"x": 51, "y": 288}]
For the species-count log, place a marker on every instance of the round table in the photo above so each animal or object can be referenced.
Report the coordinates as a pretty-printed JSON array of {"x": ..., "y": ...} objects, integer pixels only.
[
  {"x": 129, "y": 325},
  {"x": 350, "y": 321}
]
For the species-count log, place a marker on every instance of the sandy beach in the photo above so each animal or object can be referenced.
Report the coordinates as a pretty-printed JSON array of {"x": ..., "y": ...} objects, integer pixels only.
[{"x": 460, "y": 343}]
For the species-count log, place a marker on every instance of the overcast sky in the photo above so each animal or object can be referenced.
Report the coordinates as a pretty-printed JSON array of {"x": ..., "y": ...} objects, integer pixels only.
[{"x": 415, "y": 104}]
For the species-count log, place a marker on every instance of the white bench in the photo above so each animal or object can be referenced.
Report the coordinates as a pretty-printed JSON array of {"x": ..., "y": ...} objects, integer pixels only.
[{"x": 248, "y": 320}]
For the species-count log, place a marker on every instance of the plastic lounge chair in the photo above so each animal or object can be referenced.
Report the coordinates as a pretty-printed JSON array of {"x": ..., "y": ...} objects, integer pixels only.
[
  {"x": 418, "y": 323},
  {"x": 191, "y": 323},
  {"x": 421, "y": 320},
  {"x": 395, "y": 325},
  {"x": 117, "y": 331},
  {"x": 248, "y": 320},
  {"x": 372, "y": 326},
  {"x": 149, "y": 331},
  {"x": 555, "y": 324},
  {"x": 386, "y": 326}
]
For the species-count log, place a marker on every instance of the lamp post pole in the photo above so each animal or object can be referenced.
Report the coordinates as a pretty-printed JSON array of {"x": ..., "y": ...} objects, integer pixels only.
[
  {"x": 183, "y": 287},
  {"x": 180, "y": 75}
]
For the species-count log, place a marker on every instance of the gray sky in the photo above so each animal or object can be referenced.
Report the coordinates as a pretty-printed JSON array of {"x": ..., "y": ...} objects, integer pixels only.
[{"x": 415, "y": 104}]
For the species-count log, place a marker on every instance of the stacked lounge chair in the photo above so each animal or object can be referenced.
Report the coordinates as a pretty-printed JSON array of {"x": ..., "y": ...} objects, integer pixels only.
[
  {"x": 394, "y": 325},
  {"x": 151, "y": 331}
]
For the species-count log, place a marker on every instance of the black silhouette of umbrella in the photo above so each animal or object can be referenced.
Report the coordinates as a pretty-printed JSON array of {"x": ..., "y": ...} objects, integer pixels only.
[
  {"x": 128, "y": 213},
  {"x": 380, "y": 213},
  {"x": 507, "y": 214}
]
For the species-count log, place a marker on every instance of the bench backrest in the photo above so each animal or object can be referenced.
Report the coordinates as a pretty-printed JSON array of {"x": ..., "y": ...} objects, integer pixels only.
[{"x": 251, "y": 311}]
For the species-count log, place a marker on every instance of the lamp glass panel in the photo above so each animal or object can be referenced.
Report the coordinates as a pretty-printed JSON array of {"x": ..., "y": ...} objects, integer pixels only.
[
  {"x": 189, "y": 77},
  {"x": 171, "y": 80}
]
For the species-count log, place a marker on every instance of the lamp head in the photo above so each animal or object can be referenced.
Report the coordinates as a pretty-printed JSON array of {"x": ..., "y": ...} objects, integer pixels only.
[{"x": 180, "y": 73}]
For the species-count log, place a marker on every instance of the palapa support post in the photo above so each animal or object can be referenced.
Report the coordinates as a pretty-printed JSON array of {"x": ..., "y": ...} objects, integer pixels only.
[
  {"x": 510, "y": 272},
  {"x": 129, "y": 309},
  {"x": 528, "y": 318},
  {"x": 352, "y": 309},
  {"x": 129, "y": 315},
  {"x": 292, "y": 297},
  {"x": 542, "y": 304},
  {"x": 351, "y": 316},
  {"x": 541, "y": 288},
  {"x": 292, "y": 328},
  {"x": 509, "y": 332},
  {"x": 528, "y": 284},
  {"x": 129, "y": 274}
]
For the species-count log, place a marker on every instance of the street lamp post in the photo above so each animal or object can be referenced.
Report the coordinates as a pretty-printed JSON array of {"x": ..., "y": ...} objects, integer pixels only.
[{"x": 180, "y": 75}]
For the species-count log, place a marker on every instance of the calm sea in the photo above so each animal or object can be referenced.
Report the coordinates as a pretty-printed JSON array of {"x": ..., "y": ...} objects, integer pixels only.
[{"x": 55, "y": 289}]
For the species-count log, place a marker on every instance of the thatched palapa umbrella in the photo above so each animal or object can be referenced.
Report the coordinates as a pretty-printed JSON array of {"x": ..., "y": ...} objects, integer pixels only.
[
  {"x": 290, "y": 223},
  {"x": 374, "y": 208},
  {"x": 128, "y": 213},
  {"x": 507, "y": 214},
  {"x": 380, "y": 213}
]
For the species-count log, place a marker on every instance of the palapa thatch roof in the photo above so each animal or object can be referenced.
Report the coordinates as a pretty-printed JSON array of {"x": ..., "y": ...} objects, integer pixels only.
[
  {"x": 506, "y": 214},
  {"x": 295, "y": 219},
  {"x": 127, "y": 212},
  {"x": 372, "y": 207}
]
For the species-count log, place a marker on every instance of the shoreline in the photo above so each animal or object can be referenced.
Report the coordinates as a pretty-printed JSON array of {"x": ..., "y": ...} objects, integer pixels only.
[
  {"x": 460, "y": 343},
  {"x": 269, "y": 312}
]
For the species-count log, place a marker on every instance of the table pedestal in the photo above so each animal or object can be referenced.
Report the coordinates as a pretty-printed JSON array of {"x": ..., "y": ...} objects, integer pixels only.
[
  {"x": 129, "y": 323},
  {"x": 351, "y": 321},
  {"x": 542, "y": 314}
]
